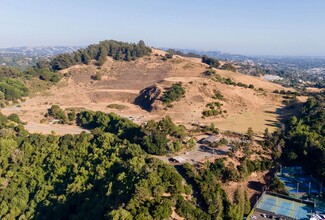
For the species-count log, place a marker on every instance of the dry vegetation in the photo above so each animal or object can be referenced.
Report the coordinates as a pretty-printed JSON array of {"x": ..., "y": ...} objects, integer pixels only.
[{"x": 121, "y": 82}]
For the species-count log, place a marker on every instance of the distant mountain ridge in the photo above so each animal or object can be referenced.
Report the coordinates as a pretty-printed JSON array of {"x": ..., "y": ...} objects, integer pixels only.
[{"x": 215, "y": 54}]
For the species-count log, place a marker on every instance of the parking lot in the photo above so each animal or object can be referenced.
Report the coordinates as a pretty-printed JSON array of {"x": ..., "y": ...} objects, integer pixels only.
[{"x": 199, "y": 153}]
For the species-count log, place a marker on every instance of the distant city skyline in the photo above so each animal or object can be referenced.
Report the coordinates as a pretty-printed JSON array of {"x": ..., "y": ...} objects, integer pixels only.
[{"x": 253, "y": 27}]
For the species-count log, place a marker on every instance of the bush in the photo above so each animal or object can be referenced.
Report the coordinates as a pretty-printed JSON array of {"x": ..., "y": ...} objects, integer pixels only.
[
  {"x": 117, "y": 106},
  {"x": 97, "y": 76},
  {"x": 12, "y": 89},
  {"x": 211, "y": 112},
  {"x": 173, "y": 94},
  {"x": 277, "y": 186},
  {"x": 56, "y": 112},
  {"x": 72, "y": 116},
  {"x": 209, "y": 72},
  {"x": 210, "y": 61},
  {"x": 169, "y": 56},
  {"x": 14, "y": 117},
  {"x": 229, "y": 66},
  {"x": 219, "y": 96}
]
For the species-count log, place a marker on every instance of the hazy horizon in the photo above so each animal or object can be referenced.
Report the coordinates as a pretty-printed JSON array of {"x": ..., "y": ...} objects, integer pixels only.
[{"x": 252, "y": 28}]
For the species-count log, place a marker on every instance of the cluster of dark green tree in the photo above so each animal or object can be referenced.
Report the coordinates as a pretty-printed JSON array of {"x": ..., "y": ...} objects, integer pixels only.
[
  {"x": 218, "y": 95},
  {"x": 214, "y": 108},
  {"x": 180, "y": 53},
  {"x": 63, "y": 116},
  {"x": 99, "y": 52},
  {"x": 174, "y": 93},
  {"x": 12, "y": 86},
  {"x": 213, "y": 63},
  {"x": 87, "y": 176},
  {"x": 303, "y": 140},
  {"x": 99, "y": 175},
  {"x": 164, "y": 137},
  {"x": 122, "y": 127},
  {"x": 288, "y": 92},
  {"x": 154, "y": 137},
  {"x": 13, "y": 80},
  {"x": 43, "y": 71},
  {"x": 228, "y": 81}
]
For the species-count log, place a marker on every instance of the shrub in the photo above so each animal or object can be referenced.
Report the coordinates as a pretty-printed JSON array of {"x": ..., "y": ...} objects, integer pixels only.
[
  {"x": 210, "y": 61},
  {"x": 218, "y": 95},
  {"x": 97, "y": 76},
  {"x": 117, "y": 106},
  {"x": 209, "y": 72},
  {"x": 56, "y": 112},
  {"x": 229, "y": 66},
  {"x": 14, "y": 117},
  {"x": 173, "y": 94}
]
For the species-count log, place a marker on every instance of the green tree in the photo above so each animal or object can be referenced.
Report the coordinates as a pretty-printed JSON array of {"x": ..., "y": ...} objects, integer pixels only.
[
  {"x": 250, "y": 134},
  {"x": 102, "y": 56}
]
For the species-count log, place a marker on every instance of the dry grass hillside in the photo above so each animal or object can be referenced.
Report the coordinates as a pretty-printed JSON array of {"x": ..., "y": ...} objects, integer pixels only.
[{"x": 121, "y": 82}]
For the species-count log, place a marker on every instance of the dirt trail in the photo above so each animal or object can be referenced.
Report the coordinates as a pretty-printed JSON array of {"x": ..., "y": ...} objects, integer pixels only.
[
  {"x": 34, "y": 127},
  {"x": 118, "y": 90}
]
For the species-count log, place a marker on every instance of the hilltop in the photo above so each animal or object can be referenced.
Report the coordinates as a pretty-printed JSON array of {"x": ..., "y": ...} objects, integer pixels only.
[
  {"x": 122, "y": 82},
  {"x": 138, "y": 162}
]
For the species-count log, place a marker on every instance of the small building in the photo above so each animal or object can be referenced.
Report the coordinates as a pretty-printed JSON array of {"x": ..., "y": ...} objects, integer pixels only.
[
  {"x": 211, "y": 139},
  {"x": 177, "y": 159}
]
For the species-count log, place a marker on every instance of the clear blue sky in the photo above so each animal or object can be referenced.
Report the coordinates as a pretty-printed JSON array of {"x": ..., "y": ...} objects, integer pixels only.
[{"x": 253, "y": 27}]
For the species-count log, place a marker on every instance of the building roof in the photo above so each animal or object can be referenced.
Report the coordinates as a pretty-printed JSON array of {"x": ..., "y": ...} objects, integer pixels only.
[
  {"x": 179, "y": 159},
  {"x": 211, "y": 139}
]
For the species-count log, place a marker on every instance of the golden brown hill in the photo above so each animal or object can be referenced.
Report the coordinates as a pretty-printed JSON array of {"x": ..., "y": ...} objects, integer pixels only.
[{"x": 121, "y": 83}]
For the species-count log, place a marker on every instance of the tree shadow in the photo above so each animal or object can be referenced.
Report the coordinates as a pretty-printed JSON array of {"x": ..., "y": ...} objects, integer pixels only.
[
  {"x": 147, "y": 97},
  {"x": 255, "y": 185},
  {"x": 282, "y": 114}
]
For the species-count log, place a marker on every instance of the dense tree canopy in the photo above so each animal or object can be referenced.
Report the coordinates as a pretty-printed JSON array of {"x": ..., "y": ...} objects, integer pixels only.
[
  {"x": 88, "y": 176},
  {"x": 303, "y": 139},
  {"x": 99, "y": 52}
]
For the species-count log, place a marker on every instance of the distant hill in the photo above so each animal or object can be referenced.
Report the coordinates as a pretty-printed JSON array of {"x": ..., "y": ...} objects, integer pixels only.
[
  {"x": 295, "y": 70},
  {"x": 28, "y": 56},
  {"x": 38, "y": 51},
  {"x": 213, "y": 53}
]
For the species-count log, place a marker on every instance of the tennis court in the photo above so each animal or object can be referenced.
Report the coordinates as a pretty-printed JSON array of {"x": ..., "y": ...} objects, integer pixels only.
[
  {"x": 298, "y": 183},
  {"x": 285, "y": 207}
]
